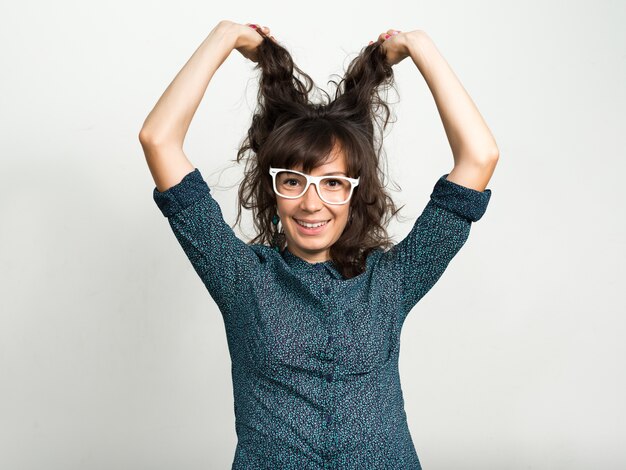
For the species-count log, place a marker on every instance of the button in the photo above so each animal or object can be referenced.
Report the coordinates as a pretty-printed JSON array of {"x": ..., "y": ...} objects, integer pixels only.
[
  {"x": 319, "y": 267},
  {"x": 330, "y": 339},
  {"x": 327, "y": 290},
  {"x": 329, "y": 377},
  {"x": 329, "y": 418},
  {"x": 326, "y": 356}
]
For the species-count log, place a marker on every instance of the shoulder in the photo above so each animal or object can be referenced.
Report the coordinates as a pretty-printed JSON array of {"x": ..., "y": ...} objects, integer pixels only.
[{"x": 266, "y": 254}]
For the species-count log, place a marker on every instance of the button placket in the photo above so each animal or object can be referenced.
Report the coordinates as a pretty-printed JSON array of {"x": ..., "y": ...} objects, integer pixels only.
[
  {"x": 328, "y": 376},
  {"x": 328, "y": 356},
  {"x": 328, "y": 353}
]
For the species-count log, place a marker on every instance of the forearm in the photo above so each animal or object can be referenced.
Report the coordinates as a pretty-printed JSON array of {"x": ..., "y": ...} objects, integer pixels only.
[
  {"x": 468, "y": 134},
  {"x": 170, "y": 118}
]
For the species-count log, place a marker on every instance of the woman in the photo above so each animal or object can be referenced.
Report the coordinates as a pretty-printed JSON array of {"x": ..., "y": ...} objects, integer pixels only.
[{"x": 314, "y": 305}]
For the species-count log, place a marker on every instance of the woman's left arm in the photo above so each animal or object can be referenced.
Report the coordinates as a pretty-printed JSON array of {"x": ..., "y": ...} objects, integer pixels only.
[
  {"x": 458, "y": 198},
  {"x": 473, "y": 146}
]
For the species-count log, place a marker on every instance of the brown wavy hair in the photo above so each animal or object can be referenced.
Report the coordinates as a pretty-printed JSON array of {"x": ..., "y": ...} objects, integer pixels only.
[{"x": 289, "y": 129}]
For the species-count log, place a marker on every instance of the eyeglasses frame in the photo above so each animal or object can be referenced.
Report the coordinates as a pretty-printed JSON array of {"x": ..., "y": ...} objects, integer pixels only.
[{"x": 310, "y": 179}]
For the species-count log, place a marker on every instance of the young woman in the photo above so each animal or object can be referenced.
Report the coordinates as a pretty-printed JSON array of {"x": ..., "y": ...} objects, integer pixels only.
[{"x": 314, "y": 305}]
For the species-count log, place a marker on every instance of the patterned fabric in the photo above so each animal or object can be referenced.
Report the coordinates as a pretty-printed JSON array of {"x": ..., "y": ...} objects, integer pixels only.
[{"x": 315, "y": 356}]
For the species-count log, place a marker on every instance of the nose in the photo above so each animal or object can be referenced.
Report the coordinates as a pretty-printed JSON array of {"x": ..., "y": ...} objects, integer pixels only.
[{"x": 310, "y": 200}]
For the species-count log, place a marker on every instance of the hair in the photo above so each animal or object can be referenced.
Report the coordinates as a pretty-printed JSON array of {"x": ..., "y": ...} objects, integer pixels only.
[{"x": 288, "y": 129}]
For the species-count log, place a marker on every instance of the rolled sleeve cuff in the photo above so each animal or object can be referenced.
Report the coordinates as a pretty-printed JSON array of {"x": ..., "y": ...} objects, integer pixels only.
[
  {"x": 190, "y": 189},
  {"x": 461, "y": 200}
]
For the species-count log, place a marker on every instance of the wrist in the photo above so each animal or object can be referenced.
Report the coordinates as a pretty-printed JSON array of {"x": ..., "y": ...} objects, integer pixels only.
[
  {"x": 227, "y": 32},
  {"x": 418, "y": 43}
]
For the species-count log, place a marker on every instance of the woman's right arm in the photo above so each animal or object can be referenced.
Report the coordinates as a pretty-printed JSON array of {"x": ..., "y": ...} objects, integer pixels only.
[
  {"x": 164, "y": 129},
  {"x": 226, "y": 264}
]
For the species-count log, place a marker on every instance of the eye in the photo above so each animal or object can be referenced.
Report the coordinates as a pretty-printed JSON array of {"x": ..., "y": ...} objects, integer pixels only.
[{"x": 334, "y": 183}]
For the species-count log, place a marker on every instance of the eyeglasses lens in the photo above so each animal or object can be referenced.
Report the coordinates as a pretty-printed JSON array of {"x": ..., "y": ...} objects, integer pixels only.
[{"x": 334, "y": 190}]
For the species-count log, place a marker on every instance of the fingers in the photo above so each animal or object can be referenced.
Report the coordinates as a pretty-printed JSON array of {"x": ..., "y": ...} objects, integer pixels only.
[
  {"x": 262, "y": 30},
  {"x": 384, "y": 36},
  {"x": 390, "y": 33}
]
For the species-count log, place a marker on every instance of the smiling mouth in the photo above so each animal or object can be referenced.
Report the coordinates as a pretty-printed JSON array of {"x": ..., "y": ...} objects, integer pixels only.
[{"x": 307, "y": 225}]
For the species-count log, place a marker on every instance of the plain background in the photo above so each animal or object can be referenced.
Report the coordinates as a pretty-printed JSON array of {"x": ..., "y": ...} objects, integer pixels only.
[{"x": 112, "y": 353}]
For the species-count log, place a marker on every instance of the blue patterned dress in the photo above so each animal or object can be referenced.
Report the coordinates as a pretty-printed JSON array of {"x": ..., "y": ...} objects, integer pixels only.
[{"x": 315, "y": 356}]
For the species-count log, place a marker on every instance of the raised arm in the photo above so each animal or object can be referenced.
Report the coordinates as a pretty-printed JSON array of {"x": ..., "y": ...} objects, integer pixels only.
[
  {"x": 226, "y": 264},
  {"x": 459, "y": 198},
  {"x": 166, "y": 126},
  {"x": 473, "y": 147}
]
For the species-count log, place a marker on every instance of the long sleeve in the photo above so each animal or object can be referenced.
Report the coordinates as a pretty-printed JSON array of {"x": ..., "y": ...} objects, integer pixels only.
[
  {"x": 420, "y": 259},
  {"x": 224, "y": 262}
]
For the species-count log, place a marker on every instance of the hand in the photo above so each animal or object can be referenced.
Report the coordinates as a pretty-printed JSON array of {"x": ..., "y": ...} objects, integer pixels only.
[
  {"x": 248, "y": 38},
  {"x": 394, "y": 44}
]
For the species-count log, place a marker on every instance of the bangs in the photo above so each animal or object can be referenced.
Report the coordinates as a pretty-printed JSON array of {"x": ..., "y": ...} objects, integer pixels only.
[{"x": 309, "y": 144}]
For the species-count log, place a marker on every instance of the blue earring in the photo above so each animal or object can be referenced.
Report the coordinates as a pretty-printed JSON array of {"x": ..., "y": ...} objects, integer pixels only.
[{"x": 278, "y": 239}]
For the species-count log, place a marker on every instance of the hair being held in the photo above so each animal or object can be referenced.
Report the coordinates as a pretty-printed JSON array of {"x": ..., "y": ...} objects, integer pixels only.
[{"x": 288, "y": 129}]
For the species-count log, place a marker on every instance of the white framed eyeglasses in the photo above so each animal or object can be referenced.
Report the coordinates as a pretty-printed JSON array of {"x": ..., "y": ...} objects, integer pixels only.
[{"x": 292, "y": 184}]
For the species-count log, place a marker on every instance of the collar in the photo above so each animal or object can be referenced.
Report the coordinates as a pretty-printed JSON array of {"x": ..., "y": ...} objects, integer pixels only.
[{"x": 301, "y": 265}]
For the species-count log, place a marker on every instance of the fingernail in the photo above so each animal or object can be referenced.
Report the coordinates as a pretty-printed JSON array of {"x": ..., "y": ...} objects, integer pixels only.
[
  {"x": 387, "y": 36},
  {"x": 395, "y": 32},
  {"x": 253, "y": 26}
]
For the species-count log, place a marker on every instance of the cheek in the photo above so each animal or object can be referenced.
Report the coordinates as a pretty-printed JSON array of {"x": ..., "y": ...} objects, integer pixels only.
[
  {"x": 284, "y": 208},
  {"x": 341, "y": 217}
]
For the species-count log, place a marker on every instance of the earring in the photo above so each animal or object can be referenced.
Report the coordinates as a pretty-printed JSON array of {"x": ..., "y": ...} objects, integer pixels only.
[{"x": 278, "y": 238}]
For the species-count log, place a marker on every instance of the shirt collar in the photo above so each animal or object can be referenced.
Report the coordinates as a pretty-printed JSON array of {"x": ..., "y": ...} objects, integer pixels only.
[{"x": 299, "y": 264}]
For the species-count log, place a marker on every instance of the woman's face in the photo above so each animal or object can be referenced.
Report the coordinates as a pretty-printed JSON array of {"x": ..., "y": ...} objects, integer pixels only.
[{"x": 313, "y": 245}]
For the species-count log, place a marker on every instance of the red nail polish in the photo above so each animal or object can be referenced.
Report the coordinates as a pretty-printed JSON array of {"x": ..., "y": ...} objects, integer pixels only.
[
  {"x": 387, "y": 36},
  {"x": 253, "y": 26}
]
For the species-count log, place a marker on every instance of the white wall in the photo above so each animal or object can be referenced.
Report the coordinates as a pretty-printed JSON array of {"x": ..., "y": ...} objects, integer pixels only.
[{"x": 113, "y": 354}]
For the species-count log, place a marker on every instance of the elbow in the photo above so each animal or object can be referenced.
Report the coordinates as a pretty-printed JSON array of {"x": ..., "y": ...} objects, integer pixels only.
[
  {"x": 492, "y": 161},
  {"x": 489, "y": 155},
  {"x": 484, "y": 155},
  {"x": 482, "y": 159},
  {"x": 149, "y": 138},
  {"x": 145, "y": 137},
  {"x": 489, "y": 158}
]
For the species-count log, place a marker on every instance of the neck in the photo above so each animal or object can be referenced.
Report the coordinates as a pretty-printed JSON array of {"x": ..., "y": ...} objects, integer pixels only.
[{"x": 310, "y": 257}]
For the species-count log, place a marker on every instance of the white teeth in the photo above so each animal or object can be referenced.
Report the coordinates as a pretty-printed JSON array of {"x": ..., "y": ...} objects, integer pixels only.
[{"x": 304, "y": 224}]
